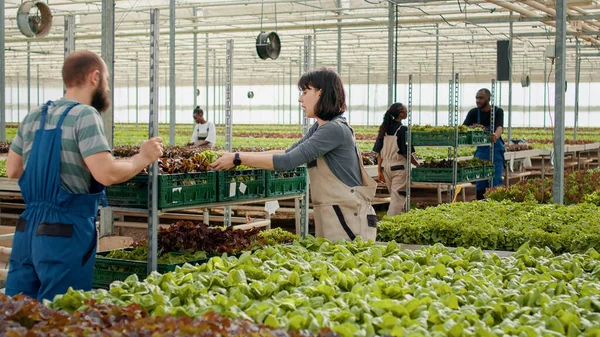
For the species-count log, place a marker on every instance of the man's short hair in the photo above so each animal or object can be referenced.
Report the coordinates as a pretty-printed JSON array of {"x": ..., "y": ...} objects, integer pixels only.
[
  {"x": 79, "y": 65},
  {"x": 487, "y": 91}
]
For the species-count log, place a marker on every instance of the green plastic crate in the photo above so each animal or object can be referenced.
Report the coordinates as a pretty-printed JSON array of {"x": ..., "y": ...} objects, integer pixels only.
[
  {"x": 422, "y": 138},
  {"x": 285, "y": 182},
  {"x": 444, "y": 175},
  {"x": 254, "y": 181},
  {"x": 108, "y": 270},
  {"x": 175, "y": 190},
  {"x": 477, "y": 137},
  {"x": 488, "y": 171}
]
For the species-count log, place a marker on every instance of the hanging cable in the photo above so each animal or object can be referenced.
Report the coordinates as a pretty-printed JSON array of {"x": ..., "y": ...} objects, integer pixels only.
[
  {"x": 396, "y": 59},
  {"x": 262, "y": 6}
]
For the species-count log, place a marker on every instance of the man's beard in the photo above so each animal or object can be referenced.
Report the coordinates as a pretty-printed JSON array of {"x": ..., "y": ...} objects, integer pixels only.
[{"x": 100, "y": 100}]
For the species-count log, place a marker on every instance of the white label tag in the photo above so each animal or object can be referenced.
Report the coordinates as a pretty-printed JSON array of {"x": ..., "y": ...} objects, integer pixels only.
[
  {"x": 271, "y": 206},
  {"x": 243, "y": 188},
  {"x": 232, "y": 190}
]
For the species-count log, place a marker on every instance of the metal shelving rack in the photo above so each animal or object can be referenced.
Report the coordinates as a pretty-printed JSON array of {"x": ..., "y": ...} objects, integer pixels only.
[
  {"x": 153, "y": 211},
  {"x": 452, "y": 150}
]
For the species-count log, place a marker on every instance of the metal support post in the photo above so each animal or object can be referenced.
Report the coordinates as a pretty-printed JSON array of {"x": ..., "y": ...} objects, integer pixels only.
[
  {"x": 303, "y": 201},
  {"x": 195, "y": 60},
  {"x": 349, "y": 93},
  {"x": 510, "y": 81},
  {"x": 559, "y": 96},
  {"x": 290, "y": 119},
  {"x": 108, "y": 54},
  {"x": 577, "y": 79},
  {"x": 299, "y": 75},
  {"x": 3, "y": 77},
  {"x": 454, "y": 123},
  {"x": 172, "y": 85},
  {"x": 314, "y": 65},
  {"x": 69, "y": 35},
  {"x": 437, "y": 70},
  {"x": 390, "y": 68},
  {"x": 153, "y": 132},
  {"x": 409, "y": 143},
  {"x": 37, "y": 83},
  {"x": 28, "y": 76},
  {"x": 206, "y": 78},
  {"x": 368, "y": 85},
  {"x": 137, "y": 90},
  {"x": 545, "y": 87},
  {"x": 450, "y": 101},
  {"x": 493, "y": 121},
  {"x": 69, "y": 38},
  {"x": 18, "y": 99},
  {"x": 214, "y": 87},
  {"x": 420, "y": 82},
  {"x": 339, "y": 39},
  {"x": 228, "y": 114}
]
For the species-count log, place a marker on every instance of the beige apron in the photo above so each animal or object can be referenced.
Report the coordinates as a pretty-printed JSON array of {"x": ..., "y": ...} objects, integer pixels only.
[
  {"x": 394, "y": 172},
  {"x": 200, "y": 136},
  {"x": 340, "y": 211}
]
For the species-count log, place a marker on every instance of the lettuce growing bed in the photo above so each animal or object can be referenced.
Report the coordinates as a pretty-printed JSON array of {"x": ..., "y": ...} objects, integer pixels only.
[{"x": 364, "y": 289}]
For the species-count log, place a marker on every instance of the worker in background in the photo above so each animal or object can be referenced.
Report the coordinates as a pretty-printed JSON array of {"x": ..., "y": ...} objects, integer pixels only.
[
  {"x": 205, "y": 135},
  {"x": 63, "y": 161},
  {"x": 392, "y": 166},
  {"x": 340, "y": 188},
  {"x": 482, "y": 115}
]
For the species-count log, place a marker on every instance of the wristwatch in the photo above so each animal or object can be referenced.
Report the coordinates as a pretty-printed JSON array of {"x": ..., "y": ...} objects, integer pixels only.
[{"x": 236, "y": 160}]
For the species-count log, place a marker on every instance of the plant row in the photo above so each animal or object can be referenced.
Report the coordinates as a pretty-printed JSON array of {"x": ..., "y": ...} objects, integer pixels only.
[
  {"x": 23, "y": 316},
  {"x": 363, "y": 289},
  {"x": 579, "y": 186},
  {"x": 498, "y": 226}
]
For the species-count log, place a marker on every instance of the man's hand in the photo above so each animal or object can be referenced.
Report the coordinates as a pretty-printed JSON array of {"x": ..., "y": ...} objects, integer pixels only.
[
  {"x": 380, "y": 177},
  {"x": 225, "y": 162},
  {"x": 494, "y": 138},
  {"x": 152, "y": 149}
]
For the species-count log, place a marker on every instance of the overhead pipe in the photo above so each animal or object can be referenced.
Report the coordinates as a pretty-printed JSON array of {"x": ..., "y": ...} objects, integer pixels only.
[{"x": 552, "y": 13}]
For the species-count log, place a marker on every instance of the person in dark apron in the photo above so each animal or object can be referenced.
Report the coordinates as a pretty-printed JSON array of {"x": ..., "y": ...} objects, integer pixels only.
[
  {"x": 341, "y": 190},
  {"x": 54, "y": 245},
  {"x": 482, "y": 116}
]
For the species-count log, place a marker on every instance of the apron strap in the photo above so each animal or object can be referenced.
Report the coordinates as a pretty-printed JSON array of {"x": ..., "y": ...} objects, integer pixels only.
[
  {"x": 399, "y": 128},
  {"x": 44, "y": 114},
  {"x": 65, "y": 113}
]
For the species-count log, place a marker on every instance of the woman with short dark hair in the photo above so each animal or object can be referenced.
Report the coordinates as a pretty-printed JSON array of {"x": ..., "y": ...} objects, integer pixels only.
[{"x": 341, "y": 190}]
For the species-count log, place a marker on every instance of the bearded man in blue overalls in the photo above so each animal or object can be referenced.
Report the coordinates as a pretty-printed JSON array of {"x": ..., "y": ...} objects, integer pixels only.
[
  {"x": 63, "y": 161},
  {"x": 482, "y": 115}
]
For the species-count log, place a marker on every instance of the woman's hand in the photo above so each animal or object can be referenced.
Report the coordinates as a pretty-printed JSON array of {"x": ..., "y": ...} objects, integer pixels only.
[{"x": 225, "y": 161}]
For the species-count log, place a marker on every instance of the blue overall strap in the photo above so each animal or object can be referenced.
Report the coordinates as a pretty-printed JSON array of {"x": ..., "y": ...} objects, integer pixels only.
[
  {"x": 44, "y": 114},
  {"x": 478, "y": 116},
  {"x": 65, "y": 113}
]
